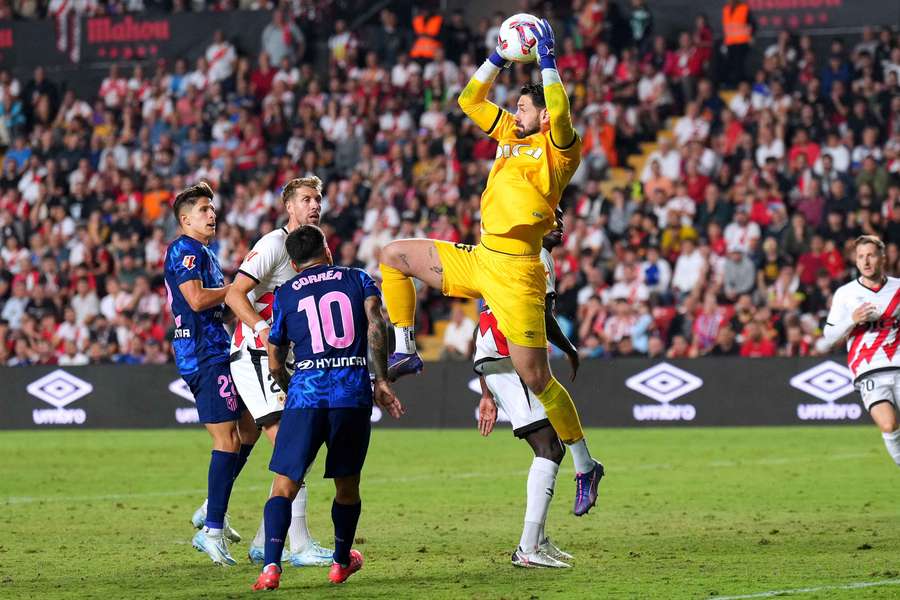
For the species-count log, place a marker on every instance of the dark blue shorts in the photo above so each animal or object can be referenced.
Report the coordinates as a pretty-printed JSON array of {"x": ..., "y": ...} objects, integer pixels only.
[
  {"x": 217, "y": 398},
  {"x": 344, "y": 431}
]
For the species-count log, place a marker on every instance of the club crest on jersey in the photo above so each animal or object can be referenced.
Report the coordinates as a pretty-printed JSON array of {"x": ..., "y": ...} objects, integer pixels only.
[
  {"x": 508, "y": 150},
  {"x": 189, "y": 261}
]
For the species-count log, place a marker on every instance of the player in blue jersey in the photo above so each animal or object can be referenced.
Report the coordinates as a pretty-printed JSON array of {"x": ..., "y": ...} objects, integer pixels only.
[
  {"x": 196, "y": 292},
  {"x": 330, "y": 315}
]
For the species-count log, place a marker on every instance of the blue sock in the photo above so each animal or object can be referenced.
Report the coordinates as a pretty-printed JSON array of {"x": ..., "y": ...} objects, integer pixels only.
[
  {"x": 221, "y": 479},
  {"x": 345, "y": 518},
  {"x": 277, "y": 515},
  {"x": 243, "y": 455}
]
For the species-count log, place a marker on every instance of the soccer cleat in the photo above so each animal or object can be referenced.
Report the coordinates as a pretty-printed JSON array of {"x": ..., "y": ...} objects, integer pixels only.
[
  {"x": 313, "y": 556},
  {"x": 586, "y": 489},
  {"x": 230, "y": 534},
  {"x": 257, "y": 554},
  {"x": 549, "y": 548},
  {"x": 269, "y": 579},
  {"x": 339, "y": 574},
  {"x": 214, "y": 547},
  {"x": 400, "y": 365},
  {"x": 538, "y": 559},
  {"x": 198, "y": 520}
]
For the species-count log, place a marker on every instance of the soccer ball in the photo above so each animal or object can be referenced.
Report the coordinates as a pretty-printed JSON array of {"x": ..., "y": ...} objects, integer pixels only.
[{"x": 516, "y": 41}]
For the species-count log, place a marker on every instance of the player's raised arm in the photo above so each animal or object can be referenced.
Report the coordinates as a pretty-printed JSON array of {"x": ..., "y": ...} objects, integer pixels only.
[
  {"x": 562, "y": 132},
  {"x": 377, "y": 333},
  {"x": 473, "y": 98}
]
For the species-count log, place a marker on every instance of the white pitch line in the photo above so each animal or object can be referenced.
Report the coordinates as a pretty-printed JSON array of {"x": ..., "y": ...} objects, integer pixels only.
[
  {"x": 414, "y": 478},
  {"x": 810, "y": 590}
]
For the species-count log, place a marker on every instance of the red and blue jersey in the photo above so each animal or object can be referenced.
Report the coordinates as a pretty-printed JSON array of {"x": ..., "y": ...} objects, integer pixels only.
[
  {"x": 322, "y": 312},
  {"x": 200, "y": 338}
]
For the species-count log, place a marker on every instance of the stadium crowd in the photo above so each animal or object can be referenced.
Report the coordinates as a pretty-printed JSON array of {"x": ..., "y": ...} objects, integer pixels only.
[{"x": 729, "y": 241}]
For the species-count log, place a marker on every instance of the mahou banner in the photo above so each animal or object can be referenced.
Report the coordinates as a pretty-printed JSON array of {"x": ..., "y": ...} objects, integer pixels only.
[
  {"x": 68, "y": 41},
  {"x": 774, "y": 15},
  {"x": 185, "y": 35}
]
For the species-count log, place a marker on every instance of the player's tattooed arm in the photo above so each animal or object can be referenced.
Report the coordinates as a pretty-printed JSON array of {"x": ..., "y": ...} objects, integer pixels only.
[
  {"x": 377, "y": 337},
  {"x": 384, "y": 396},
  {"x": 556, "y": 336},
  {"x": 277, "y": 367}
]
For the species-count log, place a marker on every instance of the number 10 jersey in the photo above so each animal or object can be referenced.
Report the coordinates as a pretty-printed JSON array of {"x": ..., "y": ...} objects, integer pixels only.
[{"x": 322, "y": 312}]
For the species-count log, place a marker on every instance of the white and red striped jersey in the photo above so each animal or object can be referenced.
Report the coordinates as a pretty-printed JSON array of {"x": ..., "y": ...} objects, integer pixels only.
[
  {"x": 269, "y": 265},
  {"x": 490, "y": 343},
  {"x": 871, "y": 346}
]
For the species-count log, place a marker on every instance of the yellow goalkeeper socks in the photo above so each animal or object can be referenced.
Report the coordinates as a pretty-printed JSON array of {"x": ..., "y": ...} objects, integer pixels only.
[
  {"x": 399, "y": 296},
  {"x": 561, "y": 412},
  {"x": 400, "y": 301}
]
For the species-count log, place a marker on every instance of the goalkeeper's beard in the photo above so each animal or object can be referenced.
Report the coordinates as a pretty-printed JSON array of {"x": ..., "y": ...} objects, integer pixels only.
[{"x": 522, "y": 133}]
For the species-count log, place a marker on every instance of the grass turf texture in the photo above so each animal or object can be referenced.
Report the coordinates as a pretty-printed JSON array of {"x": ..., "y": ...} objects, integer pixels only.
[{"x": 683, "y": 513}]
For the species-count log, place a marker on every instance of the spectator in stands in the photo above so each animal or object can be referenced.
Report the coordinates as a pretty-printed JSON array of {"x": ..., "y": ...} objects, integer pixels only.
[
  {"x": 282, "y": 39},
  {"x": 739, "y": 275},
  {"x": 737, "y": 27},
  {"x": 459, "y": 335},
  {"x": 86, "y": 185}
]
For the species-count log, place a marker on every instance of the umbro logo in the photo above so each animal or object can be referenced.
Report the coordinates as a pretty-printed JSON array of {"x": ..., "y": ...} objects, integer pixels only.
[
  {"x": 827, "y": 381},
  {"x": 664, "y": 383},
  {"x": 184, "y": 414},
  {"x": 59, "y": 389},
  {"x": 181, "y": 389}
]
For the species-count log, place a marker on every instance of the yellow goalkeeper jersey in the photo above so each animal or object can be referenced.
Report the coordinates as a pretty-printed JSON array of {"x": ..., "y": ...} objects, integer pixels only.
[{"x": 528, "y": 175}]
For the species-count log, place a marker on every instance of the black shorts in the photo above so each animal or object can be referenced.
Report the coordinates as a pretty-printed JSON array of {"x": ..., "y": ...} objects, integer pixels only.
[{"x": 344, "y": 431}]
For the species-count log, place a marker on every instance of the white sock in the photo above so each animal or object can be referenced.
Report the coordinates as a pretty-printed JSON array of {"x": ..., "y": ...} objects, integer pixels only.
[
  {"x": 260, "y": 538},
  {"x": 541, "y": 482},
  {"x": 405, "y": 340},
  {"x": 205, "y": 502},
  {"x": 581, "y": 456},
  {"x": 298, "y": 532},
  {"x": 892, "y": 442},
  {"x": 214, "y": 533}
]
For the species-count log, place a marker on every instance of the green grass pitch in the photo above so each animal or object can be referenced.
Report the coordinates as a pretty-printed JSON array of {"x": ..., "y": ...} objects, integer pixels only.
[{"x": 683, "y": 513}]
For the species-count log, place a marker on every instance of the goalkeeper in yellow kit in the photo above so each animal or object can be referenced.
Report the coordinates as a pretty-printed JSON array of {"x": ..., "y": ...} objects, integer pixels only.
[{"x": 538, "y": 151}]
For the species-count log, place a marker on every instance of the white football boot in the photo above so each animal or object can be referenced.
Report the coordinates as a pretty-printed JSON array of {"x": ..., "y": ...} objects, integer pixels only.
[
  {"x": 198, "y": 520},
  {"x": 214, "y": 546},
  {"x": 536, "y": 559},
  {"x": 550, "y": 549}
]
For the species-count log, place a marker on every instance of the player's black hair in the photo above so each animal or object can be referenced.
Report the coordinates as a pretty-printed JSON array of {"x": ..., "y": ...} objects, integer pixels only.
[
  {"x": 305, "y": 243},
  {"x": 536, "y": 91},
  {"x": 190, "y": 196}
]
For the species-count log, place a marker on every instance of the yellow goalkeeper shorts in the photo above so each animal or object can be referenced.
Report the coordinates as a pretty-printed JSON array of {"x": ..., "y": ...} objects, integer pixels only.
[{"x": 513, "y": 286}]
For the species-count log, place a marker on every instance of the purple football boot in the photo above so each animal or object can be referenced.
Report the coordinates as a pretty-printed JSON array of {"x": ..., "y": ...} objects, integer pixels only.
[
  {"x": 586, "y": 489},
  {"x": 400, "y": 365}
]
